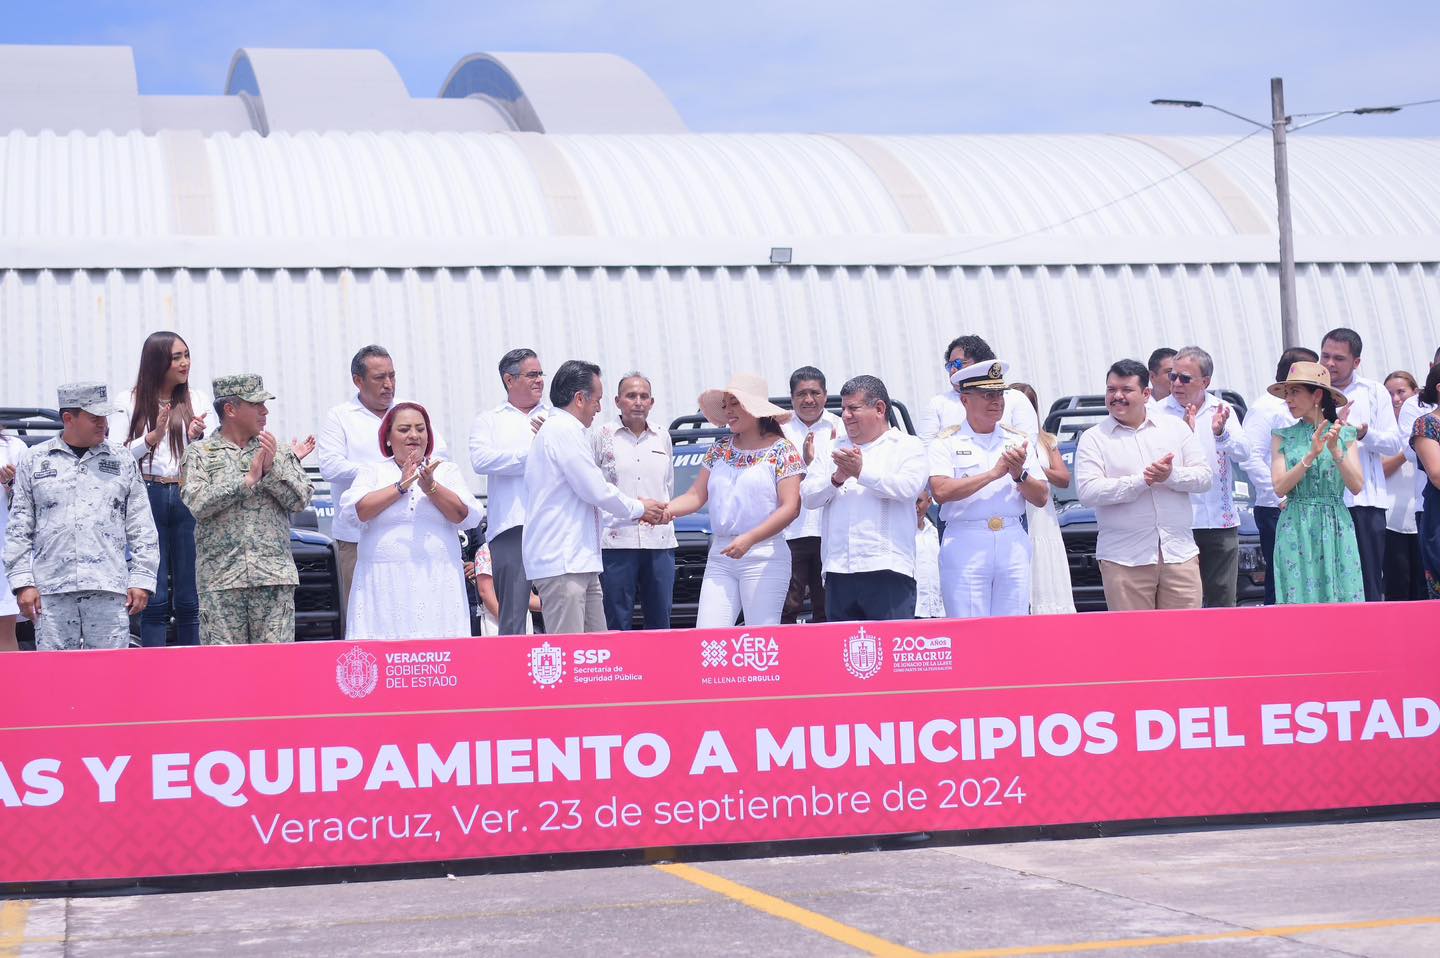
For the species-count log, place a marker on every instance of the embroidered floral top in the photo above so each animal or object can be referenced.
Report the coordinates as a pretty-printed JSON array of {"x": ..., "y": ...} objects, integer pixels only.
[{"x": 741, "y": 497}]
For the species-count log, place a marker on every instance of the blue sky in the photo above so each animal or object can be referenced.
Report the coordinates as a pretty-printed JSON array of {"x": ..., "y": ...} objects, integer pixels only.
[{"x": 844, "y": 66}]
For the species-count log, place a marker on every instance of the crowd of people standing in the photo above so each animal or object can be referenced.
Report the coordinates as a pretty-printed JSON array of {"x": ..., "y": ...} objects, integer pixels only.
[{"x": 188, "y": 521}]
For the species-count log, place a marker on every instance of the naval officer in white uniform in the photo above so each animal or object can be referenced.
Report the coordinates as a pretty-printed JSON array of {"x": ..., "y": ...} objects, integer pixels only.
[{"x": 982, "y": 473}]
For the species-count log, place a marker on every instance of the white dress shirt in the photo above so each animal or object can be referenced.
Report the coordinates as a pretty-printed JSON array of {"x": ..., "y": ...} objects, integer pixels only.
[
  {"x": 1215, "y": 507},
  {"x": 1262, "y": 417},
  {"x": 964, "y": 453},
  {"x": 1412, "y": 410},
  {"x": 349, "y": 439},
  {"x": 868, "y": 524},
  {"x": 1140, "y": 524},
  {"x": 565, "y": 492},
  {"x": 827, "y": 429},
  {"x": 641, "y": 466},
  {"x": 945, "y": 410},
  {"x": 162, "y": 461},
  {"x": 1371, "y": 406},
  {"x": 500, "y": 440},
  {"x": 928, "y": 602}
]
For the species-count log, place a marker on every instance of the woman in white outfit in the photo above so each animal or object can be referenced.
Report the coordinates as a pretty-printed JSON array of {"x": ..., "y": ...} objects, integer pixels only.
[
  {"x": 751, "y": 479},
  {"x": 12, "y": 451},
  {"x": 409, "y": 578},
  {"x": 1050, "y": 590}
]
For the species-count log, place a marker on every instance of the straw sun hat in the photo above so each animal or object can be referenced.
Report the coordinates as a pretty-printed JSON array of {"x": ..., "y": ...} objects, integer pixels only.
[
  {"x": 750, "y": 390},
  {"x": 1309, "y": 374}
]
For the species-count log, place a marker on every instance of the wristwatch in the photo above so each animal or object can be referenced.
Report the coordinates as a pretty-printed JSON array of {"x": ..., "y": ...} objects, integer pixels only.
[{"x": 1024, "y": 474}]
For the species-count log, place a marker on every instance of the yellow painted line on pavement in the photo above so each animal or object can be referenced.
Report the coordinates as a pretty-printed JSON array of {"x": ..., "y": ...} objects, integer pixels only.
[
  {"x": 1283, "y": 931},
  {"x": 770, "y": 905},
  {"x": 13, "y": 916}
]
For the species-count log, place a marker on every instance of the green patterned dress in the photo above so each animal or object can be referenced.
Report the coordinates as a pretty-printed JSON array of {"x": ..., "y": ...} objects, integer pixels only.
[{"x": 1316, "y": 557}]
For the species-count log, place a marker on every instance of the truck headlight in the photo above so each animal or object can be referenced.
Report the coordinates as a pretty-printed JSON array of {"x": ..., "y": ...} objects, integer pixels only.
[{"x": 1252, "y": 561}]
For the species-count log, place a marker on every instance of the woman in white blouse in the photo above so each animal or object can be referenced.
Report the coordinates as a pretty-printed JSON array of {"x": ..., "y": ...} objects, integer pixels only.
[
  {"x": 409, "y": 577},
  {"x": 751, "y": 481},
  {"x": 12, "y": 451},
  {"x": 166, "y": 415}
]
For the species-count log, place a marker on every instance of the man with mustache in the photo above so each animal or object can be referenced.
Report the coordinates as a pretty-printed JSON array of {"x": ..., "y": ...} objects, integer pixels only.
[
  {"x": 1137, "y": 470},
  {"x": 242, "y": 485},
  {"x": 813, "y": 429}
]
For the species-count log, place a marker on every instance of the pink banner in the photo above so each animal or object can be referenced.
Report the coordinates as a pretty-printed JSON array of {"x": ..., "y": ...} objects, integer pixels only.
[{"x": 185, "y": 761}]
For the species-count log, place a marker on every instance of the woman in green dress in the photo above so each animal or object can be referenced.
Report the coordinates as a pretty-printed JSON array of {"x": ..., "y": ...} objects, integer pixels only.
[{"x": 1312, "y": 463}]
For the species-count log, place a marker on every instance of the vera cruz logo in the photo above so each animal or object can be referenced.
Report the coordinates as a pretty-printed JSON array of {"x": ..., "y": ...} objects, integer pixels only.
[
  {"x": 356, "y": 672},
  {"x": 864, "y": 655}
]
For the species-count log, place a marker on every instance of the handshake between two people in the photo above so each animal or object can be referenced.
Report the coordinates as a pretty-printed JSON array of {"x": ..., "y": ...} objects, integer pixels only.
[{"x": 656, "y": 513}]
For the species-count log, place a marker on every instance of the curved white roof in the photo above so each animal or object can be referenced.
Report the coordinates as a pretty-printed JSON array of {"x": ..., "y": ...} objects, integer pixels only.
[{"x": 464, "y": 199}]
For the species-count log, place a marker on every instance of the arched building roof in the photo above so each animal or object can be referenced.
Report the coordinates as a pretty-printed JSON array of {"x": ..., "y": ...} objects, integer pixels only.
[{"x": 516, "y": 198}]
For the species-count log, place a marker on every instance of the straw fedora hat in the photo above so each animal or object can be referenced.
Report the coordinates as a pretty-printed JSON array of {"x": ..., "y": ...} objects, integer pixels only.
[
  {"x": 750, "y": 390},
  {"x": 1309, "y": 374}
]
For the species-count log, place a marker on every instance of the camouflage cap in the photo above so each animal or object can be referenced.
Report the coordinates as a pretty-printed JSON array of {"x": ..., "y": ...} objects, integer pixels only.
[
  {"x": 94, "y": 398},
  {"x": 247, "y": 387}
]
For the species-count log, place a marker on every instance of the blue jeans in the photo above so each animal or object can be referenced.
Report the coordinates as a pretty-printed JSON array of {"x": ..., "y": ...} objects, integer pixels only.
[
  {"x": 650, "y": 573},
  {"x": 175, "y": 581}
]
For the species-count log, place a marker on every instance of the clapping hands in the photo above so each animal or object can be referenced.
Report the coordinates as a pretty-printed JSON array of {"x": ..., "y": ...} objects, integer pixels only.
[
  {"x": 1222, "y": 415},
  {"x": 301, "y": 447},
  {"x": 1159, "y": 470},
  {"x": 849, "y": 462},
  {"x": 1012, "y": 460},
  {"x": 264, "y": 459},
  {"x": 1326, "y": 437}
]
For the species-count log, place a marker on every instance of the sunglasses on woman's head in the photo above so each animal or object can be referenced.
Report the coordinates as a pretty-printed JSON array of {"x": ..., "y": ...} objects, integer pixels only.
[
  {"x": 955, "y": 365},
  {"x": 1185, "y": 378}
]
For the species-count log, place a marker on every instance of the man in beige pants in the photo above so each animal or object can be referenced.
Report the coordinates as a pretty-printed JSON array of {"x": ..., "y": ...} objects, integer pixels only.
[{"x": 1137, "y": 472}]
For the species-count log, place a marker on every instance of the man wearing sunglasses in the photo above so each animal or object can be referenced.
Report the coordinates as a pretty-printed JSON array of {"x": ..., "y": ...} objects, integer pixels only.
[
  {"x": 946, "y": 410},
  {"x": 1218, "y": 433}
]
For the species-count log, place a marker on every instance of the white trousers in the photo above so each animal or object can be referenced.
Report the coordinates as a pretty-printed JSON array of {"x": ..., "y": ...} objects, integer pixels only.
[
  {"x": 755, "y": 584},
  {"x": 984, "y": 573}
]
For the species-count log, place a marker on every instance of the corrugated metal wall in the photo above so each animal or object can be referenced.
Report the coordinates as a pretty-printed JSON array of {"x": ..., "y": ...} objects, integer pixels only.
[{"x": 688, "y": 328}]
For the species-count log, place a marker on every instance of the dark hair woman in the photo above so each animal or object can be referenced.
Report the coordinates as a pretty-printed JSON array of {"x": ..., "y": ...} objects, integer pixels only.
[
  {"x": 1312, "y": 463},
  {"x": 410, "y": 510},
  {"x": 166, "y": 416},
  {"x": 750, "y": 480},
  {"x": 1424, "y": 439}
]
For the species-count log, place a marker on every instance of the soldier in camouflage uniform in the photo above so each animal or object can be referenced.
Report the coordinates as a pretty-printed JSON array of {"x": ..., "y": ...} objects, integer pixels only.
[
  {"x": 242, "y": 486},
  {"x": 79, "y": 502}
]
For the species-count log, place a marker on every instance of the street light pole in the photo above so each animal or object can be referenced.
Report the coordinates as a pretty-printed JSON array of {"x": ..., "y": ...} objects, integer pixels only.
[
  {"x": 1289, "y": 322},
  {"x": 1279, "y": 126}
]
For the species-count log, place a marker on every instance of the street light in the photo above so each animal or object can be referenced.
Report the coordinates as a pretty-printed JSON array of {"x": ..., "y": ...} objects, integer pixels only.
[{"x": 1279, "y": 125}]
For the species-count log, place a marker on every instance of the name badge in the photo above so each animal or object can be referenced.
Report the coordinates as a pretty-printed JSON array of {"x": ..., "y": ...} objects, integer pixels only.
[
  {"x": 110, "y": 467},
  {"x": 46, "y": 470}
]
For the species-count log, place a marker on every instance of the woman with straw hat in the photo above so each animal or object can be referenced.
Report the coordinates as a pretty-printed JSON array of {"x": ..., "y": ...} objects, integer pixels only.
[
  {"x": 1312, "y": 463},
  {"x": 751, "y": 480}
]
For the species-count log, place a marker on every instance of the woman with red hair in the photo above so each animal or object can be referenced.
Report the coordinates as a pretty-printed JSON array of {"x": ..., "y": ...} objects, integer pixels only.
[{"x": 409, "y": 579}]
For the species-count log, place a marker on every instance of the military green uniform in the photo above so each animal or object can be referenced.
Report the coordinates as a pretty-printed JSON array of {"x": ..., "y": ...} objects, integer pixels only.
[{"x": 244, "y": 570}]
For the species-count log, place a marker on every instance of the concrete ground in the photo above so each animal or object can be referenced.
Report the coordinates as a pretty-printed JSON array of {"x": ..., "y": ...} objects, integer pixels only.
[{"x": 1355, "y": 888}]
